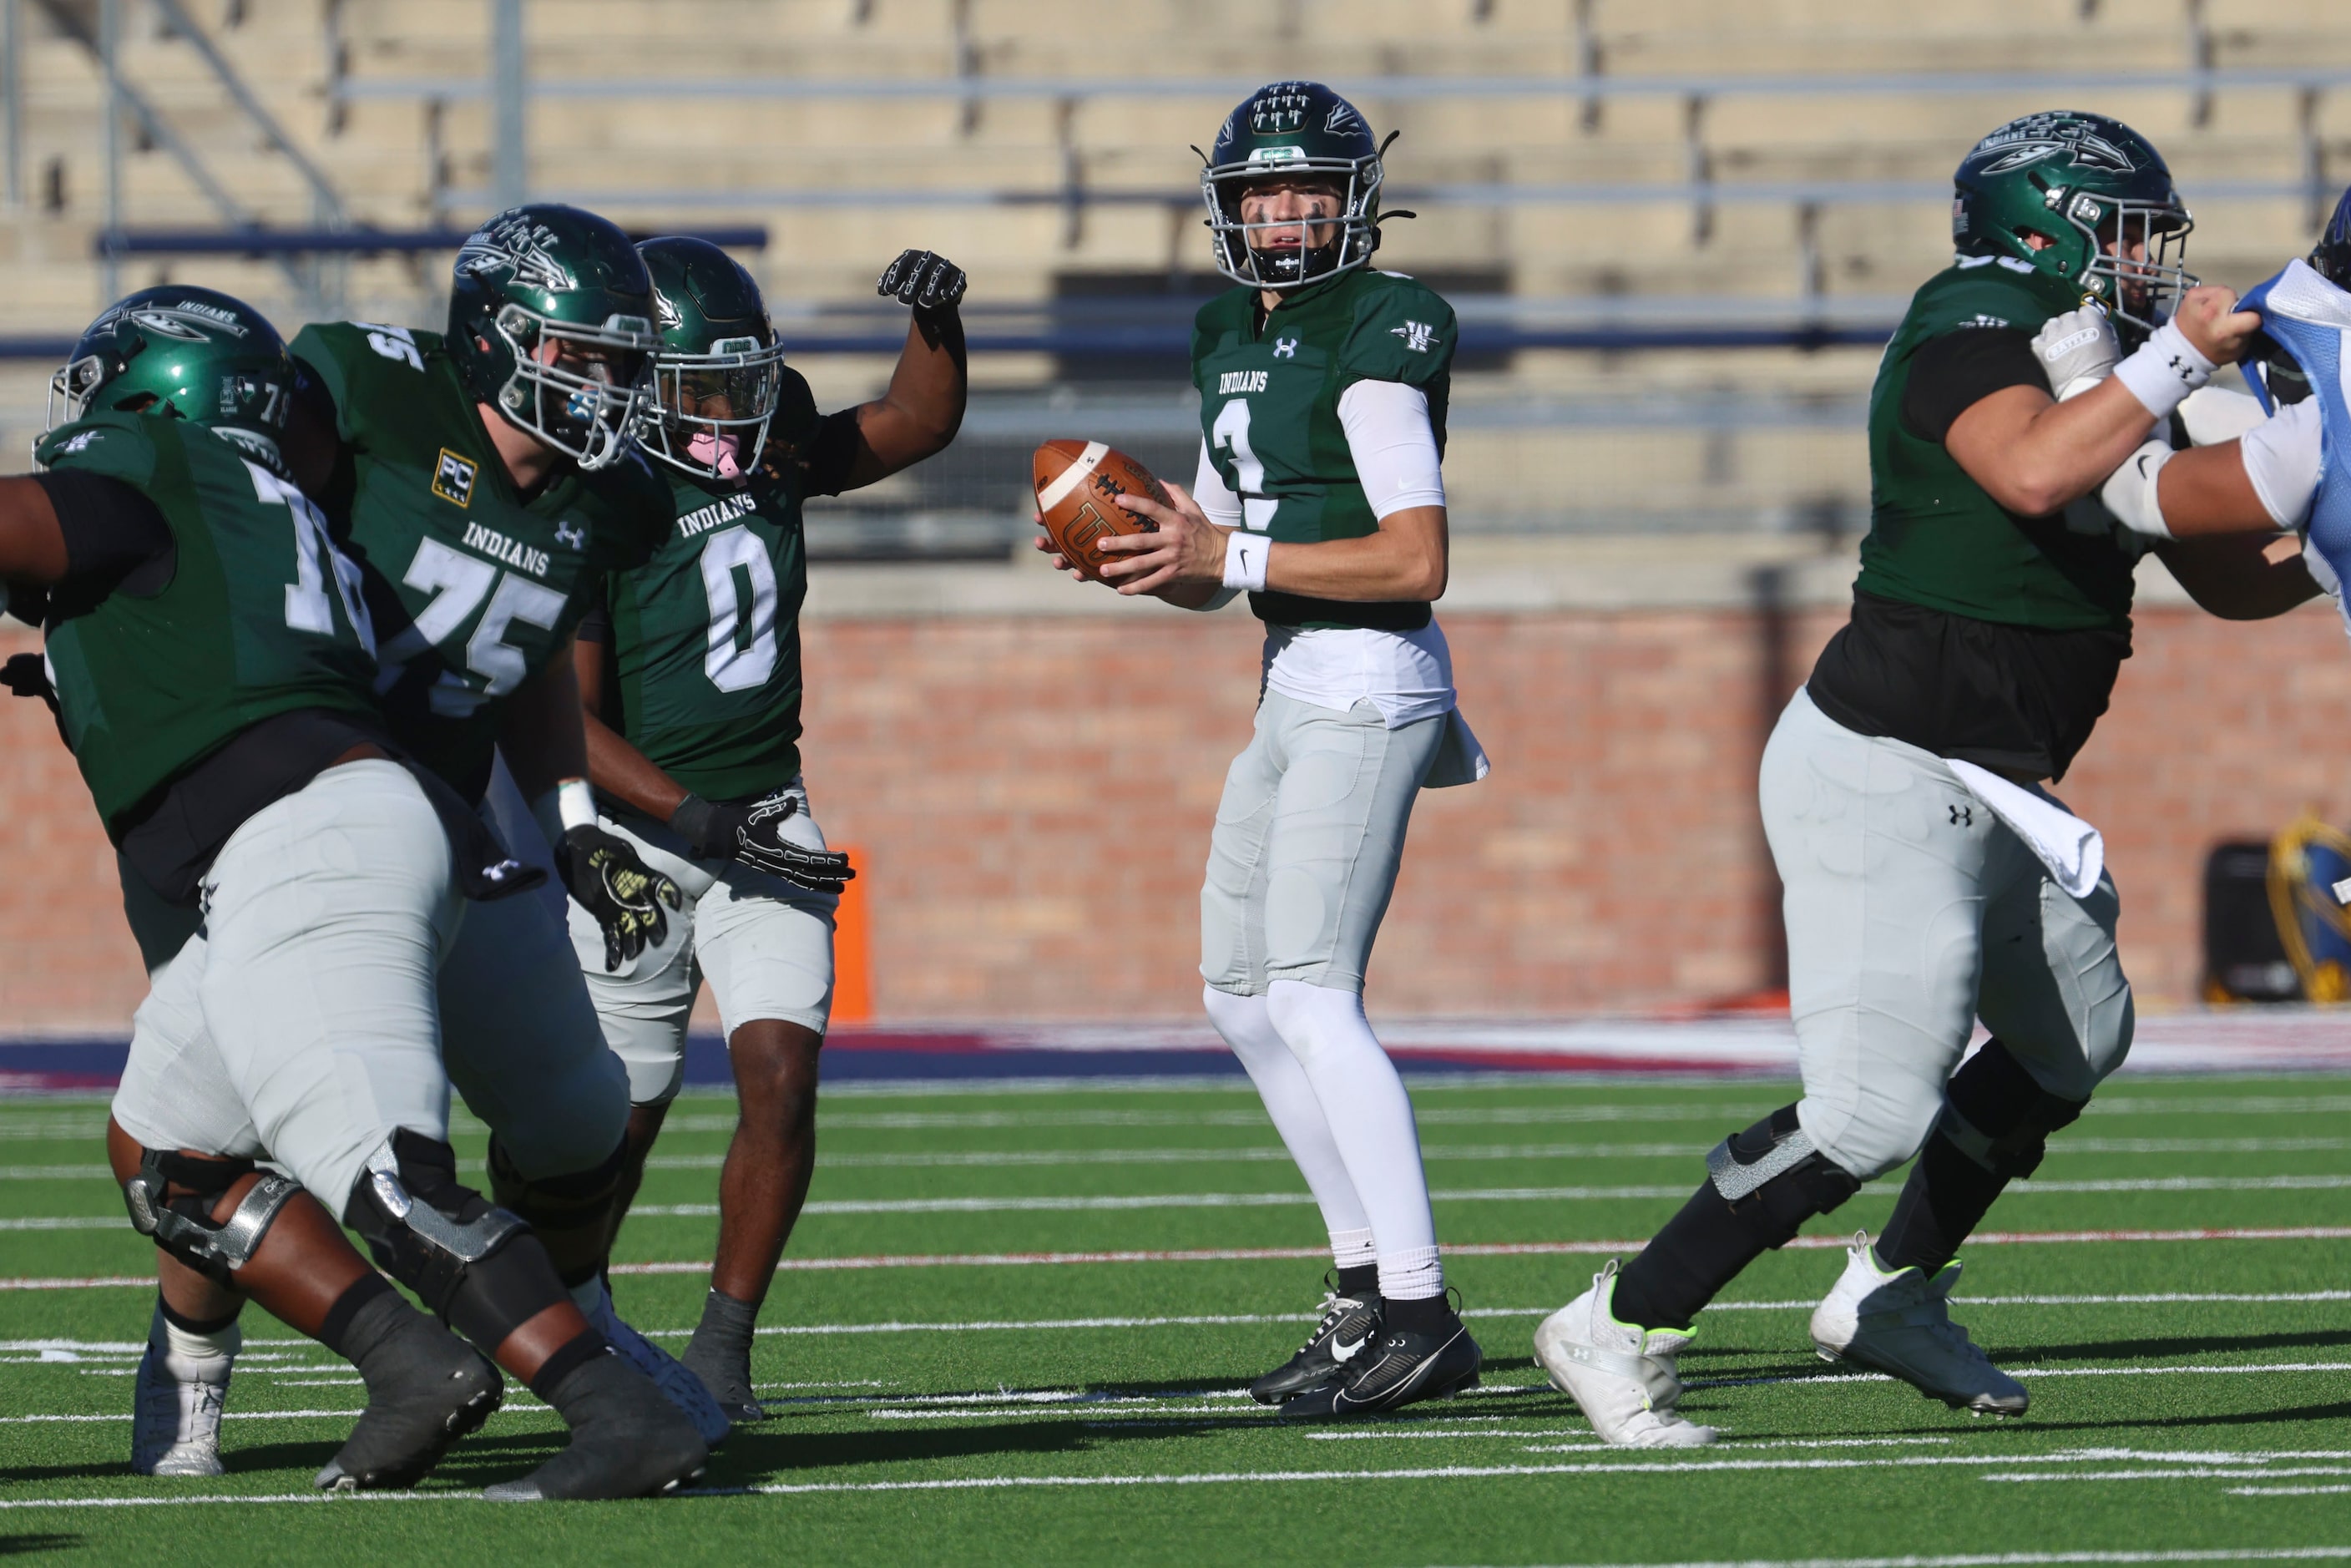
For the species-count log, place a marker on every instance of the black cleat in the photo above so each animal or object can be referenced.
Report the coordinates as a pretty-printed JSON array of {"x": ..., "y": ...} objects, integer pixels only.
[
  {"x": 426, "y": 1388},
  {"x": 1349, "y": 1323},
  {"x": 1399, "y": 1367},
  {"x": 627, "y": 1440},
  {"x": 729, "y": 1378}
]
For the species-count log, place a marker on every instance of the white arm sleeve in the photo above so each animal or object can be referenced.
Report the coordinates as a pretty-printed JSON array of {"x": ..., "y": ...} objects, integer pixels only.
[
  {"x": 1224, "y": 507},
  {"x": 2282, "y": 457},
  {"x": 1394, "y": 450}
]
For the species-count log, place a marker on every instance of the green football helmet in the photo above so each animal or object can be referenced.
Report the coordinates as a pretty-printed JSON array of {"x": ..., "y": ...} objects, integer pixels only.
[
  {"x": 2083, "y": 198},
  {"x": 1292, "y": 128},
  {"x": 551, "y": 322},
  {"x": 717, "y": 372},
  {"x": 182, "y": 353}
]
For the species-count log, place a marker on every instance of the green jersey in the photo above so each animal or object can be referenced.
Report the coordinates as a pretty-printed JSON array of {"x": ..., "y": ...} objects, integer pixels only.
[
  {"x": 703, "y": 666},
  {"x": 1269, "y": 394},
  {"x": 474, "y": 589},
  {"x": 1936, "y": 537},
  {"x": 259, "y": 615}
]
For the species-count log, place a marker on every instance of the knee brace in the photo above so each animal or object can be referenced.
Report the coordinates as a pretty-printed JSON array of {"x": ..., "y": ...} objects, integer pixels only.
[
  {"x": 184, "y": 1225},
  {"x": 473, "y": 1264},
  {"x": 572, "y": 1214},
  {"x": 1997, "y": 1114},
  {"x": 1772, "y": 1171}
]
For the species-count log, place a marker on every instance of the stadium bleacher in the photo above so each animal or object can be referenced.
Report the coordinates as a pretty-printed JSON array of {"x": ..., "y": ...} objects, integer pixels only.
[{"x": 1580, "y": 161}]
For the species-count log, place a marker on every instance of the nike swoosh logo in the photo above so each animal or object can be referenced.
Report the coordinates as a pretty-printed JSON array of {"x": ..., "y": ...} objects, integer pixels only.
[{"x": 1345, "y": 1352}]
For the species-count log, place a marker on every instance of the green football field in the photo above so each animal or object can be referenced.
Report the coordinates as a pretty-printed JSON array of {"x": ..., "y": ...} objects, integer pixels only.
[{"x": 1013, "y": 1325}]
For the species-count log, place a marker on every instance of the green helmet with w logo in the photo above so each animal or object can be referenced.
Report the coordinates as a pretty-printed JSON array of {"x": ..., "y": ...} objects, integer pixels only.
[
  {"x": 2083, "y": 198},
  {"x": 182, "y": 353},
  {"x": 551, "y": 322},
  {"x": 719, "y": 369}
]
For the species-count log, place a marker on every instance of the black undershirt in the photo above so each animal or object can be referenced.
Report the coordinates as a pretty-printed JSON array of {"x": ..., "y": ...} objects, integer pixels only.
[
  {"x": 118, "y": 542},
  {"x": 2019, "y": 699}
]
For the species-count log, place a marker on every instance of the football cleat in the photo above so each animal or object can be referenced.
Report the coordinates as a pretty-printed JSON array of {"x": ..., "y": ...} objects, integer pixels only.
[
  {"x": 678, "y": 1385},
  {"x": 627, "y": 1440},
  {"x": 1395, "y": 1368},
  {"x": 728, "y": 1379},
  {"x": 174, "y": 1424},
  {"x": 1620, "y": 1375},
  {"x": 1900, "y": 1323},
  {"x": 426, "y": 1388},
  {"x": 1348, "y": 1322}
]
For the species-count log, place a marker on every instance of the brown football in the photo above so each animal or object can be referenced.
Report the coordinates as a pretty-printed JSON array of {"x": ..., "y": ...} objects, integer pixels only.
[{"x": 1078, "y": 486}]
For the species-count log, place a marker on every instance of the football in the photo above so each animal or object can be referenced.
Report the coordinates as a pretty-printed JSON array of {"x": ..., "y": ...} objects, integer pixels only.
[{"x": 1078, "y": 486}]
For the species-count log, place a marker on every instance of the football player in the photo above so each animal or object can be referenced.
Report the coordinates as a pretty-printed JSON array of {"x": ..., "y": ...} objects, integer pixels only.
[
  {"x": 691, "y": 673},
  {"x": 1323, "y": 389},
  {"x": 211, "y": 658},
  {"x": 2284, "y": 472},
  {"x": 1927, "y": 873},
  {"x": 484, "y": 480}
]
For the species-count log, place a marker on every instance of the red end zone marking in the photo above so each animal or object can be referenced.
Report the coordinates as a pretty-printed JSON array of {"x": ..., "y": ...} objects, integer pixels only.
[{"x": 1258, "y": 1254}]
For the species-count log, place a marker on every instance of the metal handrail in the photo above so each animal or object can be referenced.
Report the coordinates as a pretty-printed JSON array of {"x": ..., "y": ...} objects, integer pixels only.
[{"x": 327, "y": 200}]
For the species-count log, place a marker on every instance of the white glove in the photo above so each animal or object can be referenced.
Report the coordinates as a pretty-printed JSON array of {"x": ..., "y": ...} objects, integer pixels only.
[
  {"x": 2214, "y": 413},
  {"x": 2078, "y": 350},
  {"x": 2130, "y": 490}
]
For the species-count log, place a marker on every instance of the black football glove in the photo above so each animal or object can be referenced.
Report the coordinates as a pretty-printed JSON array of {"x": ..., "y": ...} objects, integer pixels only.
[
  {"x": 924, "y": 280},
  {"x": 621, "y": 892},
  {"x": 753, "y": 834}
]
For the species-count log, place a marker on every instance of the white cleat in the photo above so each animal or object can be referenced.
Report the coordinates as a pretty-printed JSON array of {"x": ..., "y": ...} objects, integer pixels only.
[
  {"x": 174, "y": 1424},
  {"x": 1621, "y": 1376},
  {"x": 677, "y": 1384},
  {"x": 1900, "y": 1323}
]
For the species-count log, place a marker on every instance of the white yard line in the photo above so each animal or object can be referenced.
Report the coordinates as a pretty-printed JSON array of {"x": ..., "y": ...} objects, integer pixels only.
[{"x": 2018, "y": 1559}]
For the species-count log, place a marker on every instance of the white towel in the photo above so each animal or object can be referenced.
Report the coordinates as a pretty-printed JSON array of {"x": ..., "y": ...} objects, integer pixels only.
[{"x": 2072, "y": 849}]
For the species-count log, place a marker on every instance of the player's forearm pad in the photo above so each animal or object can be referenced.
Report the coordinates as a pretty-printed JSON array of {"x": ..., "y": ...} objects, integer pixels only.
[
  {"x": 1245, "y": 558},
  {"x": 2130, "y": 492}
]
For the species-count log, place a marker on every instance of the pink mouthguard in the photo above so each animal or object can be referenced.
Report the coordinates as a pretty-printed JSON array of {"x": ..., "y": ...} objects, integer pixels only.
[{"x": 718, "y": 451}]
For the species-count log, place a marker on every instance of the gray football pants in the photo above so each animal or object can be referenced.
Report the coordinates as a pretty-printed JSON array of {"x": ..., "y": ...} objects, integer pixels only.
[
  {"x": 1308, "y": 835},
  {"x": 301, "y": 1027},
  {"x": 517, "y": 1033},
  {"x": 1912, "y": 912}
]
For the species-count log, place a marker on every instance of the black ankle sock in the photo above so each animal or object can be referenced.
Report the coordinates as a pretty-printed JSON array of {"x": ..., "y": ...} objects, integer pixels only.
[
  {"x": 1426, "y": 1316},
  {"x": 361, "y": 1317},
  {"x": 1945, "y": 1199},
  {"x": 1362, "y": 1280},
  {"x": 1701, "y": 1250},
  {"x": 567, "y": 1360},
  {"x": 187, "y": 1324},
  {"x": 726, "y": 1324}
]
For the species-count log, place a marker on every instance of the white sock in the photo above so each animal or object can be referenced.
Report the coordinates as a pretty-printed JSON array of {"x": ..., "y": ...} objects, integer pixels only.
[
  {"x": 1369, "y": 1118},
  {"x": 196, "y": 1357},
  {"x": 1354, "y": 1249},
  {"x": 1297, "y": 1115}
]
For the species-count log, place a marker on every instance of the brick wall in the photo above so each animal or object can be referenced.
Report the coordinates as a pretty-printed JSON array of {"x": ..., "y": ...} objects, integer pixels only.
[{"x": 1034, "y": 797}]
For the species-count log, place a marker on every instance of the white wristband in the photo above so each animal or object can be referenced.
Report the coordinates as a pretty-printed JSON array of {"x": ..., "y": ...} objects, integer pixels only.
[
  {"x": 2166, "y": 369},
  {"x": 1245, "y": 558},
  {"x": 571, "y": 804},
  {"x": 2130, "y": 492}
]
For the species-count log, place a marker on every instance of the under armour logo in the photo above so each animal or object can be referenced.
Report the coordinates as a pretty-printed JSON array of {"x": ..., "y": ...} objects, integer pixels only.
[
  {"x": 1417, "y": 335},
  {"x": 572, "y": 535},
  {"x": 1285, "y": 348},
  {"x": 1963, "y": 816}
]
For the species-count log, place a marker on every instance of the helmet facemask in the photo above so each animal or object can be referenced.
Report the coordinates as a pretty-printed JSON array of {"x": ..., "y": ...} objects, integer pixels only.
[
  {"x": 2137, "y": 254},
  {"x": 1236, "y": 244},
  {"x": 577, "y": 388},
  {"x": 708, "y": 413}
]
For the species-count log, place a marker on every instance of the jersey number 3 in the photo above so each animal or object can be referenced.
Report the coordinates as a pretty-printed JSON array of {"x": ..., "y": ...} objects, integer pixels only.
[{"x": 741, "y": 652}]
